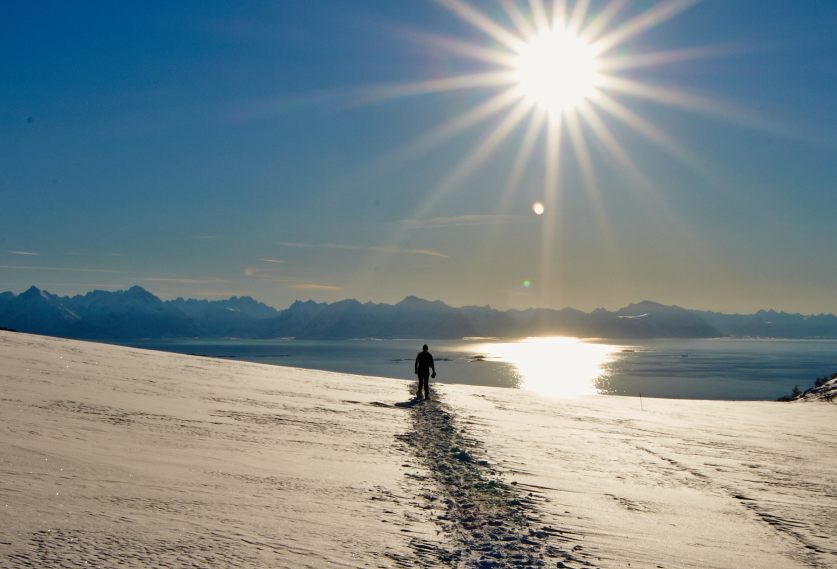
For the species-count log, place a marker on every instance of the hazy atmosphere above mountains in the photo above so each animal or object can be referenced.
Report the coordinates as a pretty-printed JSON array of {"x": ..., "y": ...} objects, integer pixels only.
[{"x": 376, "y": 150}]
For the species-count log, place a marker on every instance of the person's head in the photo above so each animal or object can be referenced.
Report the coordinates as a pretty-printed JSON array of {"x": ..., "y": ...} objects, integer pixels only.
[{"x": 424, "y": 348}]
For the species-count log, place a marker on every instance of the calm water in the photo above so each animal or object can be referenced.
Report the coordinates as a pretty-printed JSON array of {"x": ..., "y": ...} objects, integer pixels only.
[{"x": 563, "y": 367}]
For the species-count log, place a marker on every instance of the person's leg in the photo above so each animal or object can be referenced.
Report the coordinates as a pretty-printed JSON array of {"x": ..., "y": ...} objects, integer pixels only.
[{"x": 423, "y": 378}]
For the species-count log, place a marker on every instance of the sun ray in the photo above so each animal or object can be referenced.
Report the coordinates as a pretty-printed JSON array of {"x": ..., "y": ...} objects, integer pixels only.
[
  {"x": 665, "y": 142},
  {"x": 459, "y": 173},
  {"x": 459, "y": 82},
  {"x": 600, "y": 22},
  {"x": 552, "y": 213},
  {"x": 447, "y": 130},
  {"x": 655, "y": 16},
  {"x": 710, "y": 107},
  {"x": 652, "y": 200},
  {"x": 583, "y": 157},
  {"x": 559, "y": 11},
  {"x": 597, "y": 125},
  {"x": 579, "y": 14},
  {"x": 462, "y": 48},
  {"x": 431, "y": 139},
  {"x": 641, "y": 182},
  {"x": 527, "y": 146},
  {"x": 524, "y": 154},
  {"x": 475, "y": 158},
  {"x": 639, "y": 124},
  {"x": 590, "y": 182},
  {"x": 518, "y": 18},
  {"x": 553, "y": 154},
  {"x": 470, "y": 119},
  {"x": 482, "y": 22},
  {"x": 661, "y": 57},
  {"x": 665, "y": 95},
  {"x": 539, "y": 15},
  {"x": 592, "y": 118}
]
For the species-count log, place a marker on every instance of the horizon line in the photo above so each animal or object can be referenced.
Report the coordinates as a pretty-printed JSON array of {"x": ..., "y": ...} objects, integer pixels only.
[{"x": 242, "y": 295}]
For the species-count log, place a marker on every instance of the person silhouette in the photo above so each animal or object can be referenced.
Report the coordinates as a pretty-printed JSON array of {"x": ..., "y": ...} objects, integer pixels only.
[{"x": 424, "y": 363}]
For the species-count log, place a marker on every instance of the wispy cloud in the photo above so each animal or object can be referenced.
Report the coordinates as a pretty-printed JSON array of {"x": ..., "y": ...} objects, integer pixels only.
[
  {"x": 465, "y": 220},
  {"x": 269, "y": 273},
  {"x": 315, "y": 287},
  {"x": 357, "y": 248},
  {"x": 269, "y": 278},
  {"x": 60, "y": 269},
  {"x": 418, "y": 251},
  {"x": 226, "y": 293},
  {"x": 199, "y": 281},
  {"x": 338, "y": 246},
  {"x": 109, "y": 271},
  {"x": 87, "y": 285},
  {"x": 257, "y": 271},
  {"x": 22, "y": 253},
  {"x": 77, "y": 254}
]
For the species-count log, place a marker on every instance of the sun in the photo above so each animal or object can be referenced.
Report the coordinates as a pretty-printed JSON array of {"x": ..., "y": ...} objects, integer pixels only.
[
  {"x": 554, "y": 72},
  {"x": 553, "y": 67},
  {"x": 557, "y": 70}
]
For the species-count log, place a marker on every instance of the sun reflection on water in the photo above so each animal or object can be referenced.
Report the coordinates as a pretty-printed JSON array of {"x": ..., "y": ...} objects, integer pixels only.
[{"x": 557, "y": 367}]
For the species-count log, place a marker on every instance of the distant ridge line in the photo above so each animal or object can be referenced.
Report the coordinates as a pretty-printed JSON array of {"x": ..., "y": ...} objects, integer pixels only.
[{"x": 136, "y": 313}]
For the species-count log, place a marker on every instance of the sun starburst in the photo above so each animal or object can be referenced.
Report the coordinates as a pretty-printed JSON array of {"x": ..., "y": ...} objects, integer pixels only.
[{"x": 558, "y": 70}]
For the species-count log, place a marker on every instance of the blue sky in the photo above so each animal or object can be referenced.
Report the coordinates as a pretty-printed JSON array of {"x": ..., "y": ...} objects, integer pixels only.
[{"x": 208, "y": 149}]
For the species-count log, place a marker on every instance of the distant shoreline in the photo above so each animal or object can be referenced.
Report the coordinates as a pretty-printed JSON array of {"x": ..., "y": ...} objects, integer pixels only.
[{"x": 731, "y": 369}]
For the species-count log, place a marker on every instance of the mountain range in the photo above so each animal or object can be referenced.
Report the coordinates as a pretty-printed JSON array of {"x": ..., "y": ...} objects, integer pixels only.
[{"x": 136, "y": 313}]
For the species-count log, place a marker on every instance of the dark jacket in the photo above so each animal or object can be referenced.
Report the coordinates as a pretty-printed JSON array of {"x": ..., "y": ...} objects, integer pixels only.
[{"x": 424, "y": 363}]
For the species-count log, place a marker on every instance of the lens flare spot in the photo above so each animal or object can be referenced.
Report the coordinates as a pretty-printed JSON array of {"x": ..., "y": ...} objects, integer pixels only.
[
  {"x": 526, "y": 284},
  {"x": 538, "y": 208}
]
